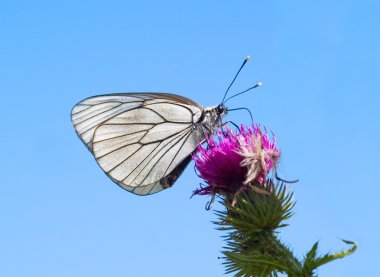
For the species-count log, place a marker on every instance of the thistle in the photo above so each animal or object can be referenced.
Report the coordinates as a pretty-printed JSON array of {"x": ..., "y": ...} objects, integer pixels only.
[{"x": 237, "y": 167}]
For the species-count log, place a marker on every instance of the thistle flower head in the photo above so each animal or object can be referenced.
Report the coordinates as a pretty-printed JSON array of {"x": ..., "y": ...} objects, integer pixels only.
[{"x": 233, "y": 161}]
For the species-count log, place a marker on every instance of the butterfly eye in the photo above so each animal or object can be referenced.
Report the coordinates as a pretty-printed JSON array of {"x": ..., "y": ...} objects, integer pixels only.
[{"x": 221, "y": 109}]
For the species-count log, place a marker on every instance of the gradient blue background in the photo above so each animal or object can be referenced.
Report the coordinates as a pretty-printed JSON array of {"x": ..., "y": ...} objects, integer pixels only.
[{"x": 319, "y": 62}]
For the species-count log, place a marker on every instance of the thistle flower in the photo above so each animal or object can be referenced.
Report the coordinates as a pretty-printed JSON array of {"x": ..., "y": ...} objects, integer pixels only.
[
  {"x": 234, "y": 161},
  {"x": 236, "y": 165}
]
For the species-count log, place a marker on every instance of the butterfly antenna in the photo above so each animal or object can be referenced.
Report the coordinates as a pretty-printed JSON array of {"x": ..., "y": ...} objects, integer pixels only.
[
  {"x": 255, "y": 86},
  {"x": 241, "y": 67}
]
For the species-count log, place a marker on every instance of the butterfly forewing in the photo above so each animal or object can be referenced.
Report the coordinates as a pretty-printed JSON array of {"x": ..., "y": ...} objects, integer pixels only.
[{"x": 142, "y": 141}]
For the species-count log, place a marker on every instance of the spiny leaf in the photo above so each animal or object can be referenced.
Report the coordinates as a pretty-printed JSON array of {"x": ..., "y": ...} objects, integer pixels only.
[{"x": 312, "y": 262}]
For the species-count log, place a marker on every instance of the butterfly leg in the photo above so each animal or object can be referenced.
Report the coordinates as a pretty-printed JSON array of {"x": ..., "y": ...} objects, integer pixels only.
[
  {"x": 286, "y": 181},
  {"x": 229, "y": 121}
]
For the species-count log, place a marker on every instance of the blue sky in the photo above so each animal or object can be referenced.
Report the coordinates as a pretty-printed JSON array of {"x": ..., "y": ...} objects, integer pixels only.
[{"x": 318, "y": 60}]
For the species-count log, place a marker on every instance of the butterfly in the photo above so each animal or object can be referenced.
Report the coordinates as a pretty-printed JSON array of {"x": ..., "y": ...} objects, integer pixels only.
[{"x": 144, "y": 141}]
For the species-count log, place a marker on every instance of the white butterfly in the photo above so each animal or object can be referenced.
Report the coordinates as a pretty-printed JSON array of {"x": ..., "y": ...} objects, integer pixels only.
[{"x": 144, "y": 141}]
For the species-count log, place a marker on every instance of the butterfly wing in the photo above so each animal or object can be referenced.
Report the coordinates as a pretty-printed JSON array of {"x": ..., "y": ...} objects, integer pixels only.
[{"x": 142, "y": 141}]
